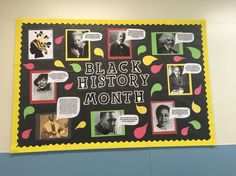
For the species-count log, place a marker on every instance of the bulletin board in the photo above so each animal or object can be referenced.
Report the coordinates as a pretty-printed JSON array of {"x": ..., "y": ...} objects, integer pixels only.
[{"x": 97, "y": 84}]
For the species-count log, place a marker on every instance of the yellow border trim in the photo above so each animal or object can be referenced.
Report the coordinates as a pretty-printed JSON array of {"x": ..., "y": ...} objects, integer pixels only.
[
  {"x": 16, "y": 88},
  {"x": 106, "y": 145}
]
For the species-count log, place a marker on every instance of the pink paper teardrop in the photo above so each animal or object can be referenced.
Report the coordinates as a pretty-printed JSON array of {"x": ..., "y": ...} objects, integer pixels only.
[
  {"x": 68, "y": 86},
  {"x": 26, "y": 134},
  {"x": 184, "y": 131},
  {"x": 59, "y": 39},
  {"x": 29, "y": 66},
  {"x": 198, "y": 90},
  {"x": 178, "y": 58},
  {"x": 140, "y": 131},
  {"x": 156, "y": 68}
]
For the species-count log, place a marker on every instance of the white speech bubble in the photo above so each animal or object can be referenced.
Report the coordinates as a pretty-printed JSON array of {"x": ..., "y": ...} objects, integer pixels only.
[
  {"x": 92, "y": 36},
  {"x": 184, "y": 37},
  {"x": 127, "y": 119},
  {"x": 135, "y": 34},
  {"x": 68, "y": 107},
  {"x": 179, "y": 112},
  {"x": 192, "y": 68},
  {"x": 57, "y": 76}
]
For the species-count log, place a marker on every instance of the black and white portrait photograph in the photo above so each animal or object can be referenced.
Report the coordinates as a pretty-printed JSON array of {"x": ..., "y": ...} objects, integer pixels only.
[
  {"x": 166, "y": 44},
  {"x": 40, "y": 44},
  {"x": 105, "y": 123},
  {"x": 42, "y": 91},
  {"x": 76, "y": 47},
  {"x": 118, "y": 46},
  {"x": 160, "y": 114},
  {"x": 50, "y": 128},
  {"x": 178, "y": 82}
]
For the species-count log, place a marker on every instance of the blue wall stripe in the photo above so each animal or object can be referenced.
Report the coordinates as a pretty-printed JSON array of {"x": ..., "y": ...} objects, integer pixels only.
[{"x": 189, "y": 161}]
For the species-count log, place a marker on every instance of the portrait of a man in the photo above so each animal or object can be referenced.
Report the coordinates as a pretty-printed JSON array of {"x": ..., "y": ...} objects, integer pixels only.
[
  {"x": 105, "y": 123},
  {"x": 179, "y": 83},
  {"x": 166, "y": 44},
  {"x": 118, "y": 46},
  {"x": 50, "y": 128}
]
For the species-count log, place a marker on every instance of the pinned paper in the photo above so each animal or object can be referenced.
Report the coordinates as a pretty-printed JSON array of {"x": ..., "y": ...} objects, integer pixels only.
[
  {"x": 59, "y": 63},
  {"x": 92, "y": 36},
  {"x": 196, "y": 108},
  {"x": 57, "y": 76},
  {"x": 59, "y": 39},
  {"x": 196, "y": 54},
  {"x": 28, "y": 111},
  {"x": 99, "y": 52},
  {"x": 184, "y": 131},
  {"x": 179, "y": 112},
  {"x": 68, "y": 86},
  {"x": 142, "y": 49},
  {"x": 156, "y": 68},
  {"x": 26, "y": 134},
  {"x": 196, "y": 124},
  {"x": 29, "y": 66},
  {"x": 198, "y": 90},
  {"x": 140, "y": 131},
  {"x": 76, "y": 67},
  {"x": 156, "y": 88},
  {"x": 178, "y": 58},
  {"x": 135, "y": 34},
  {"x": 192, "y": 68},
  {"x": 68, "y": 107},
  {"x": 82, "y": 124},
  {"x": 148, "y": 60},
  {"x": 184, "y": 37},
  {"x": 127, "y": 119},
  {"x": 141, "y": 109}
]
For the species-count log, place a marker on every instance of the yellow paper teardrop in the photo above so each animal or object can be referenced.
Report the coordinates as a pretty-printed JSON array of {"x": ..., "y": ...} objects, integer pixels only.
[
  {"x": 141, "y": 109},
  {"x": 196, "y": 108},
  {"x": 82, "y": 124},
  {"x": 147, "y": 60},
  {"x": 99, "y": 52},
  {"x": 58, "y": 63}
]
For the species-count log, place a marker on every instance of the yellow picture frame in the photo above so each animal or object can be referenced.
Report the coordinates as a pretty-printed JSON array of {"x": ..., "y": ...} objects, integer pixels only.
[{"x": 66, "y": 46}]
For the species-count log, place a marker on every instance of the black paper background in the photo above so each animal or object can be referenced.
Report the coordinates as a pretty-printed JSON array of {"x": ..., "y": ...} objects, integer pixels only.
[{"x": 84, "y": 135}]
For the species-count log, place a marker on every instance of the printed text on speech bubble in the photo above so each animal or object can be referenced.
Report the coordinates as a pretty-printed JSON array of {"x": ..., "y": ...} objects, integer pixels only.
[
  {"x": 68, "y": 107},
  {"x": 135, "y": 34},
  {"x": 57, "y": 76},
  {"x": 192, "y": 68},
  {"x": 128, "y": 119},
  {"x": 179, "y": 112},
  {"x": 184, "y": 37},
  {"x": 92, "y": 36}
]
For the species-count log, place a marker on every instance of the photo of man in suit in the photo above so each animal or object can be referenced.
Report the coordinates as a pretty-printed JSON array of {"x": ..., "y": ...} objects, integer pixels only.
[
  {"x": 118, "y": 47},
  {"x": 166, "y": 44},
  {"x": 179, "y": 83}
]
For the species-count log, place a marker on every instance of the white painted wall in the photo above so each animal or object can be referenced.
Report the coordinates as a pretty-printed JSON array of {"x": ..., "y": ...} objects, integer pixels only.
[{"x": 221, "y": 34}]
